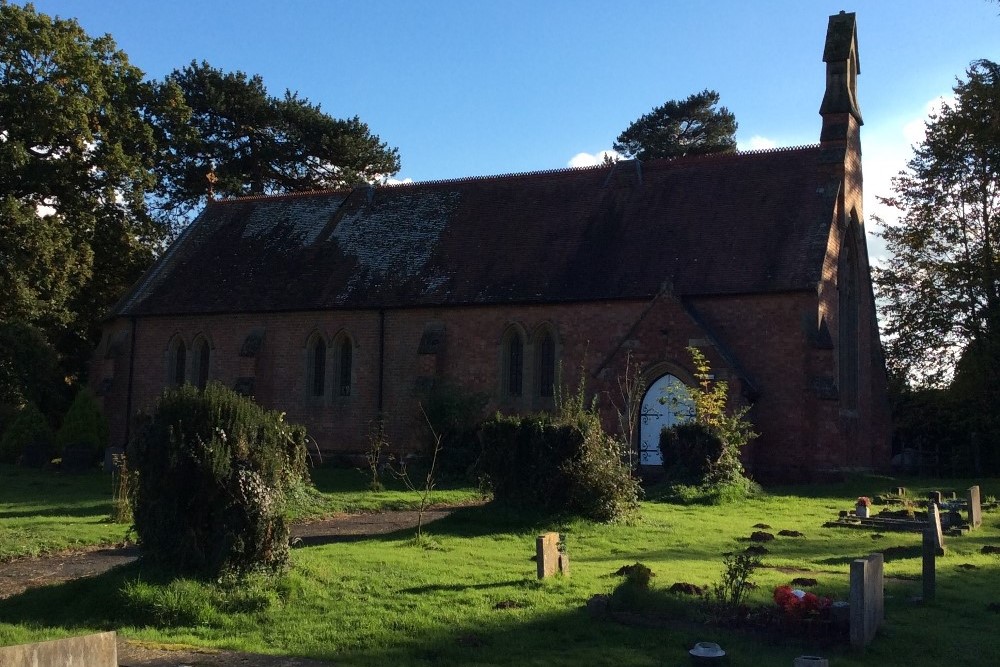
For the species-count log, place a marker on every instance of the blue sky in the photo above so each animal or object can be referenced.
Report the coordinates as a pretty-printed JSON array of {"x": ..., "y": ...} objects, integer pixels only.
[{"x": 466, "y": 87}]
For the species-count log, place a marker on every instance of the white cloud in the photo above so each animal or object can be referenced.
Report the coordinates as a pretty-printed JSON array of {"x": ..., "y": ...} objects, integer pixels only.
[
  {"x": 397, "y": 181},
  {"x": 914, "y": 130},
  {"x": 757, "y": 143},
  {"x": 592, "y": 159},
  {"x": 886, "y": 152}
]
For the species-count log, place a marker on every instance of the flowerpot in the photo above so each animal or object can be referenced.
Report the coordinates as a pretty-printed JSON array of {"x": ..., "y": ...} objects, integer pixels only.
[{"x": 863, "y": 511}]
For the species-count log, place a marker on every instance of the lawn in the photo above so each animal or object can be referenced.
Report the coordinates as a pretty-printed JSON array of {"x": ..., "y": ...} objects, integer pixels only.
[{"x": 472, "y": 597}]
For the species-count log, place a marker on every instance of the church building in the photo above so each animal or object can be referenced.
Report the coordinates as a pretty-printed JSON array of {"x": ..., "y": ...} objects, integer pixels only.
[{"x": 341, "y": 308}]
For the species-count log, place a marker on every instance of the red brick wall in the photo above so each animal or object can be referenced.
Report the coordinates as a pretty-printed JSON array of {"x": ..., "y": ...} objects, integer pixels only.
[{"x": 766, "y": 335}]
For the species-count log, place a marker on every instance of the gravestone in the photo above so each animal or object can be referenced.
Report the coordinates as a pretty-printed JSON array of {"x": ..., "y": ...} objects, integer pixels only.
[
  {"x": 928, "y": 573},
  {"x": 934, "y": 527},
  {"x": 934, "y": 497},
  {"x": 899, "y": 491},
  {"x": 97, "y": 650},
  {"x": 810, "y": 661},
  {"x": 975, "y": 507},
  {"x": 547, "y": 554},
  {"x": 867, "y": 599}
]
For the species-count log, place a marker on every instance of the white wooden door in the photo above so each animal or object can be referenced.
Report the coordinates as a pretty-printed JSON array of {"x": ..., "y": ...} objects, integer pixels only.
[{"x": 666, "y": 403}]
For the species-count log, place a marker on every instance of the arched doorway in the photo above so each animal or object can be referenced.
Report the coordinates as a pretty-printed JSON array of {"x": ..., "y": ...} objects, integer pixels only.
[{"x": 666, "y": 403}]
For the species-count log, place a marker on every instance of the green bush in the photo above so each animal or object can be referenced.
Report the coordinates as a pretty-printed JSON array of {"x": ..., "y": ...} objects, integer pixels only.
[
  {"x": 214, "y": 470},
  {"x": 688, "y": 451},
  {"x": 84, "y": 424},
  {"x": 706, "y": 452},
  {"x": 27, "y": 427},
  {"x": 454, "y": 415},
  {"x": 558, "y": 465}
]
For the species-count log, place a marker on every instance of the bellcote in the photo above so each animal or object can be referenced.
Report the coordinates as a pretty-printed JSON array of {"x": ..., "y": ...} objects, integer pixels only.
[{"x": 842, "y": 67}]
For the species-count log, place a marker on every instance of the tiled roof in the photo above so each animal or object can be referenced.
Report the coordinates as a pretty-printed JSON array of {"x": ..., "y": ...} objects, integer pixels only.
[{"x": 740, "y": 223}]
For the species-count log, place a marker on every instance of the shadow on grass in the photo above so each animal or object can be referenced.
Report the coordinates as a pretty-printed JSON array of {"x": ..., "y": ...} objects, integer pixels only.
[
  {"x": 436, "y": 588},
  {"x": 95, "y": 509}
]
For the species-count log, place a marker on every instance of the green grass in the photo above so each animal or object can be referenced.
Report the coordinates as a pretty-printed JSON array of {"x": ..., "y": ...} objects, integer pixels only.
[
  {"x": 42, "y": 512},
  {"x": 383, "y": 600}
]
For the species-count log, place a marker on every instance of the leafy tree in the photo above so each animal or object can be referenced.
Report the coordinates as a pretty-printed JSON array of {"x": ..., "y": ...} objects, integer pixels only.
[
  {"x": 693, "y": 126},
  {"x": 940, "y": 290},
  {"x": 79, "y": 139},
  {"x": 254, "y": 143}
]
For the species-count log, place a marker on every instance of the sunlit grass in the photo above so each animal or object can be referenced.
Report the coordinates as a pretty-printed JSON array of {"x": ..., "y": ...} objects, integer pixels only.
[{"x": 474, "y": 600}]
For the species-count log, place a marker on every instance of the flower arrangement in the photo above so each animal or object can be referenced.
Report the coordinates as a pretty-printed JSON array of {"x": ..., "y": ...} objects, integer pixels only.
[
  {"x": 865, "y": 501},
  {"x": 798, "y": 605}
]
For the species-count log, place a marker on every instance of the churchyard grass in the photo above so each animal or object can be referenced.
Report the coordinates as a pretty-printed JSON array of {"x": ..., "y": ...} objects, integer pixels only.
[
  {"x": 472, "y": 598},
  {"x": 46, "y": 511},
  {"x": 43, "y": 512}
]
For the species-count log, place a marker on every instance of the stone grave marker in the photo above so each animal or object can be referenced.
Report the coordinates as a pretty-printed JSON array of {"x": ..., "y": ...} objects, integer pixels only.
[
  {"x": 867, "y": 599},
  {"x": 934, "y": 497},
  {"x": 975, "y": 508},
  {"x": 547, "y": 554},
  {"x": 97, "y": 650},
  {"x": 934, "y": 527}
]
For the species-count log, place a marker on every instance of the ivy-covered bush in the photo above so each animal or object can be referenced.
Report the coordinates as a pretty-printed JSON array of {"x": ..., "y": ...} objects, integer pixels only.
[
  {"x": 84, "y": 424},
  {"x": 27, "y": 428},
  {"x": 214, "y": 470},
  {"x": 558, "y": 464}
]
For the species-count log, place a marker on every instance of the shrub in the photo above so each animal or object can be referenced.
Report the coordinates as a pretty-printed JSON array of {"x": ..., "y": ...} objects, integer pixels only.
[
  {"x": 706, "y": 452},
  {"x": 29, "y": 371},
  {"x": 213, "y": 471},
  {"x": 27, "y": 427},
  {"x": 559, "y": 464},
  {"x": 84, "y": 424},
  {"x": 688, "y": 451},
  {"x": 453, "y": 416}
]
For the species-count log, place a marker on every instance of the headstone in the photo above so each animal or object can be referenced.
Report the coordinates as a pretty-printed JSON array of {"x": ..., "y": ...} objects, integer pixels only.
[
  {"x": 934, "y": 526},
  {"x": 810, "y": 661},
  {"x": 77, "y": 457},
  {"x": 975, "y": 508},
  {"x": 934, "y": 497},
  {"x": 112, "y": 457},
  {"x": 97, "y": 650},
  {"x": 547, "y": 554},
  {"x": 928, "y": 572},
  {"x": 564, "y": 563},
  {"x": 867, "y": 599},
  {"x": 37, "y": 455},
  {"x": 899, "y": 491}
]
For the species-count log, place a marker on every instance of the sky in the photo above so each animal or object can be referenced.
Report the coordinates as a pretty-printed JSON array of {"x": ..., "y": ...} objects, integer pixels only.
[{"x": 470, "y": 87}]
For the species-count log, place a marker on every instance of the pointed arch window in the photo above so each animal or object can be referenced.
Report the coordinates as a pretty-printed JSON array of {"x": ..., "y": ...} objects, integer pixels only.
[
  {"x": 513, "y": 364},
  {"x": 202, "y": 356},
  {"x": 345, "y": 365},
  {"x": 177, "y": 362},
  {"x": 546, "y": 364},
  {"x": 316, "y": 366}
]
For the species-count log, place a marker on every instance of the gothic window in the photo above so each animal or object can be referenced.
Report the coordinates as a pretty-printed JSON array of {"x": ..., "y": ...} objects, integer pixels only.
[
  {"x": 545, "y": 355},
  {"x": 513, "y": 364},
  {"x": 177, "y": 362},
  {"x": 316, "y": 366},
  {"x": 200, "y": 362},
  {"x": 345, "y": 362}
]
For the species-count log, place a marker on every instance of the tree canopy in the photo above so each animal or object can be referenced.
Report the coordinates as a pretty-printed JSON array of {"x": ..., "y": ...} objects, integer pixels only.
[
  {"x": 98, "y": 166},
  {"x": 694, "y": 126},
  {"x": 254, "y": 143},
  {"x": 940, "y": 290},
  {"x": 78, "y": 143}
]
